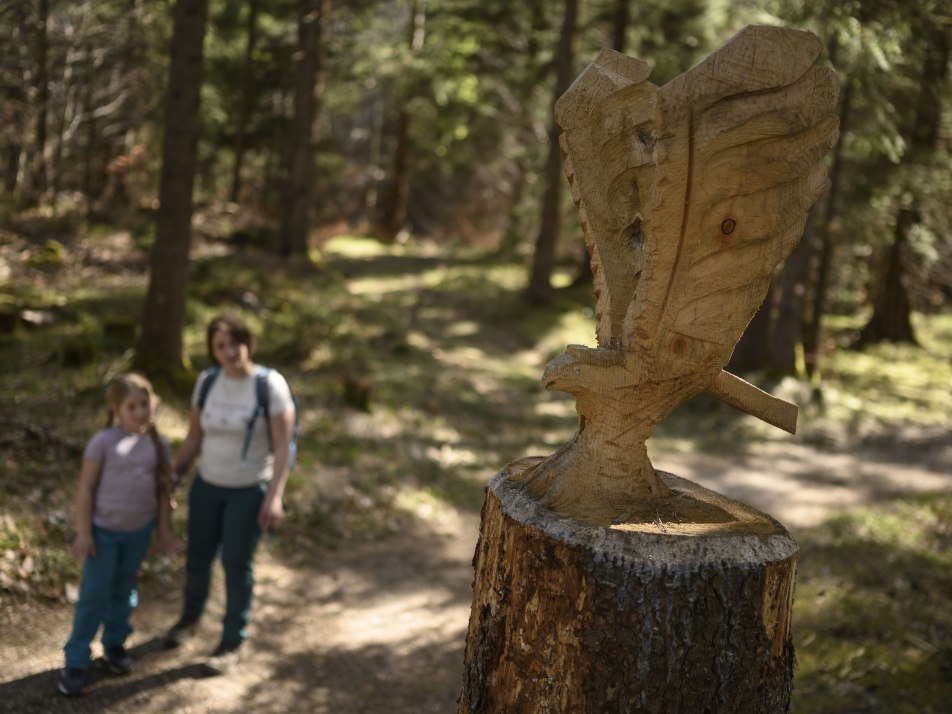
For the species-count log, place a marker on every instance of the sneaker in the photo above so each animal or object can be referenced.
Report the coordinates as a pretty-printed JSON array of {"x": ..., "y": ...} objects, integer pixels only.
[
  {"x": 118, "y": 660},
  {"x": 223, "y": 659},
  {"x": 72, "y": 680},
  {"x": 179, "y": 632}
]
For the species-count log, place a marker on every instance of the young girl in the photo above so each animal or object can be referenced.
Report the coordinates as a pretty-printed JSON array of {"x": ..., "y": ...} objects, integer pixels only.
[{"x": 124, "y": 483}]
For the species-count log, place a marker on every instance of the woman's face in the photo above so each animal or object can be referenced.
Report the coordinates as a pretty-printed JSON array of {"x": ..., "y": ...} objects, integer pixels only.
[
  {"x": 135, "y": 412},
  {"x": 230, "y": 354}
]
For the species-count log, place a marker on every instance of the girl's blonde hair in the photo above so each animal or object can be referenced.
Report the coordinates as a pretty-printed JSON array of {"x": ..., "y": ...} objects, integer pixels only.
[{"x": 120, "y": 389}]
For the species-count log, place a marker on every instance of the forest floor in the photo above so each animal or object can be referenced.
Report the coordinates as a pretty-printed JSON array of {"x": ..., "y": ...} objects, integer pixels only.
[
  {"x": 379, "y": 626},
  {"x": 363, "y": 597}
]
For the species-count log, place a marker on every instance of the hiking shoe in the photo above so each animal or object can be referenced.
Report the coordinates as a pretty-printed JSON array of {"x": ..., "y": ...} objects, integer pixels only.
[
  {"x": 118, "y": 660},
  {"x": 72, "y": 680},
  {"x": 223, "y": 659},
  {"x": 179, "y": 632}
]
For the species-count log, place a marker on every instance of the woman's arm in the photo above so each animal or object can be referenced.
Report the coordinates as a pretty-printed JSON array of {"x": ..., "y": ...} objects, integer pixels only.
[
  {"x": 190, "y": 447},
  {"x": 272, "y": 510},
  {"x": 83, "y": 544}
]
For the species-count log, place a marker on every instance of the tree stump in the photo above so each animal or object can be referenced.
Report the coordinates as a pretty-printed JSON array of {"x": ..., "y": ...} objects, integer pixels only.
[{"x": 685, "y": 607}]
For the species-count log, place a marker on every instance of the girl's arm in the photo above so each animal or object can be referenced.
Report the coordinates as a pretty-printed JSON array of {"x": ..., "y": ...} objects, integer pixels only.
[
  {"x": 83, "y": 544},
  {"x": 190, "y": 447},
  {"x": 272, "y": 510},
  {"x": 167, "y": 542}
]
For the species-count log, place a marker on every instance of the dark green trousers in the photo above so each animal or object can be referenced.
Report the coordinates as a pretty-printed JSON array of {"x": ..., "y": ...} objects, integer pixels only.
[{"x": 224, "y": 519}]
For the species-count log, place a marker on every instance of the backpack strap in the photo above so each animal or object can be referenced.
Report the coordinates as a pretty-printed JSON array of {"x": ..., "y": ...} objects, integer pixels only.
[
  {"x": 262, "y": 408},
  {"x": 206, "y": 386}
]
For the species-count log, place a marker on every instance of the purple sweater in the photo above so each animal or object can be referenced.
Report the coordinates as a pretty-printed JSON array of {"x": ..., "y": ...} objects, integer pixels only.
[{"x": 125, "y": 497}]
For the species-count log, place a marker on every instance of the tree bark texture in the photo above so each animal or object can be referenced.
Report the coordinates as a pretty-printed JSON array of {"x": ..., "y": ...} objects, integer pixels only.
[
  {"x": 160, "y": 346},
  {"x": 295, "y": 220},
  {"x": 688, "y": 612}
]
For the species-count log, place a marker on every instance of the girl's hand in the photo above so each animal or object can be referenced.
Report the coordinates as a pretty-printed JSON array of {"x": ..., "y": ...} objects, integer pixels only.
[
  {"x": 82, "y": 546},
  {"x": 272, "y": 511}
]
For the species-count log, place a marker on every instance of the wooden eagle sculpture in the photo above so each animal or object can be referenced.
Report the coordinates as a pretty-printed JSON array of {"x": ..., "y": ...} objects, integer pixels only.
[{"x": 689, "y": 196}]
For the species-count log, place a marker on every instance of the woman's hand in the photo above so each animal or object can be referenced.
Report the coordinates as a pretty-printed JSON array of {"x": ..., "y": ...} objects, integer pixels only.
[
  {"x": 272, "y": 511},
  {"x": 82, "y": 546}
]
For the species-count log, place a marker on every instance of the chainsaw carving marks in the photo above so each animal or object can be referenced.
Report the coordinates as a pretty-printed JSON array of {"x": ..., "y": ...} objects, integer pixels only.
[{"x": 689, "y": 196}]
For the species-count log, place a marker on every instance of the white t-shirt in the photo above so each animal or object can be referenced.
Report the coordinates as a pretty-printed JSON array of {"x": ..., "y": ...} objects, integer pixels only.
[{"x": 228, "y": 409}]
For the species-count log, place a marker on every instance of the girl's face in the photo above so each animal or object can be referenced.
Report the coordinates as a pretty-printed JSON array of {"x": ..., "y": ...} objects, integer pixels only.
[
  {"x": 231, "y": 354},
  {"x": 135, "y": 412}
]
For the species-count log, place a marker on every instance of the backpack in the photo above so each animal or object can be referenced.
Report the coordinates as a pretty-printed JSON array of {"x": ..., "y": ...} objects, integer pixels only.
[{"x": 261, "y": 392}]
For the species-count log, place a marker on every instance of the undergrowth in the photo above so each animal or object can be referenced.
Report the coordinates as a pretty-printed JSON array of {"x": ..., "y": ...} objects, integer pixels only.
[{"x": 419, "y": 374}]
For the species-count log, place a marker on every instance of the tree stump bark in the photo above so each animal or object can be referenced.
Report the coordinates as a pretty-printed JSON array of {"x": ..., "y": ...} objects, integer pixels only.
[{"x": 684, "y": 609}]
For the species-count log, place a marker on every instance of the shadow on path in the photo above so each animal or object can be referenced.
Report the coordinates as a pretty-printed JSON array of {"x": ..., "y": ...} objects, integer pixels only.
[{"x": 104, "y": 691}]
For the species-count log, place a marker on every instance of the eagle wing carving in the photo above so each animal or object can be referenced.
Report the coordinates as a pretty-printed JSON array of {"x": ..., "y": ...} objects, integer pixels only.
[{"x": 689, "y": 196}]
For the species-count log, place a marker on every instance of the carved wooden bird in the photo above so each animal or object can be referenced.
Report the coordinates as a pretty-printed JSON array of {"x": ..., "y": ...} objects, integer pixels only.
[{"x": 689, "y": 196}]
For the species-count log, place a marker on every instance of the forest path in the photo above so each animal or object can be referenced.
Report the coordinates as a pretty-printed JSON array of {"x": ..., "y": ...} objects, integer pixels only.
[{"x": 380, "y": 626}]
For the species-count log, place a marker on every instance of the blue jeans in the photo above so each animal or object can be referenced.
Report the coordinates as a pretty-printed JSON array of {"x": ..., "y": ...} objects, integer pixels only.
[
  {"x": 108, "y": 591},
  {"x": 225, "y": 518}
]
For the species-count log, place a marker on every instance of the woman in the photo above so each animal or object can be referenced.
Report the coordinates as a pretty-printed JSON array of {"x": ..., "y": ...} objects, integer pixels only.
[{"x": 237, "y": 493}]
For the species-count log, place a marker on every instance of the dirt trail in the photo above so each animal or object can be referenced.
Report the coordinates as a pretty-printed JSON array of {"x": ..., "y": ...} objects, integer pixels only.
[{"x": 380, "y": 627}]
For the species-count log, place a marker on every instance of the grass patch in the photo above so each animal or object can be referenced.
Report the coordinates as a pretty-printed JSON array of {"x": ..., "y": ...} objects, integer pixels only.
[{"x": 872, "y": 622}]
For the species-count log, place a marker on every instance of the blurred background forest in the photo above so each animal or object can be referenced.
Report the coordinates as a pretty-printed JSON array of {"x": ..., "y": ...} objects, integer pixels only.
[
  {"x": 433, "y": 119},
  {"x": 376, "y": 187}
]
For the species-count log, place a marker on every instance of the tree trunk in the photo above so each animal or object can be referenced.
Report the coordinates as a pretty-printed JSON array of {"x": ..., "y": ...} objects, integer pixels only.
[
  {"x": 247, "y": 95},
  {"x": 89, "y": 118},
  {"x": 620, "y": 21},
  {"x": 296, "y": 221},
  {"x": 516, "y": 228},
  {"x": 788, "y": 326},
  {"x": 753, "y": 349},
  {"x": 540, "y": 286},
  {"x": 398, "y": 195},
  {"x": 67, "y": 112},
  {"x": 160, "y": 346},
  {"x": 38, "y": 174},
  {"x": 891, "y": 320},
  {"x": 15, "y": 95},
  {"x": 687, "y": 611},
  {"x": 811, "y": 331}
]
